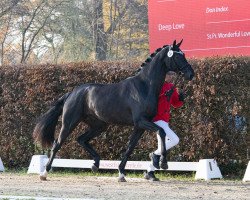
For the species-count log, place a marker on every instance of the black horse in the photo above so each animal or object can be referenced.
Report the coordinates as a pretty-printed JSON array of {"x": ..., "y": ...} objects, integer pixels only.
[{"x": 132, "y": 101}]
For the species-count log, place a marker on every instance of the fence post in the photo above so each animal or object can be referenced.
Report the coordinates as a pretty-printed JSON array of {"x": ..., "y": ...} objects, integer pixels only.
[
  {"x": 247, "y": 173},
  {"x": 207, "y": 169},
  {"x": 37, "y": 164},
  {"x": 1, "y": 165}
]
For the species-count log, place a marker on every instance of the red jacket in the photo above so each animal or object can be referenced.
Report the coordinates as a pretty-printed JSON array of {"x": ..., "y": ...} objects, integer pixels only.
[{"x": 164, "y": 104}]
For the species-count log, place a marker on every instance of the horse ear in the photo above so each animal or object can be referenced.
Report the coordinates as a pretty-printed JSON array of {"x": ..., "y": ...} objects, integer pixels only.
[
  {"x": 179, "y": 44},
  {"x": 174, "y": 43}
]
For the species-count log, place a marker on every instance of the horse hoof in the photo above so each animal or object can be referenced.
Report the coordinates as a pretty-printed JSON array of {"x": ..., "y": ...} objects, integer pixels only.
[
  {"x": 43, "y": 178},
  {"x": 121, "y": 179},
  {"x": 43, "y": 175},
  {"x": 94, "y": 168},
  {"x": 164, "y": 165}
]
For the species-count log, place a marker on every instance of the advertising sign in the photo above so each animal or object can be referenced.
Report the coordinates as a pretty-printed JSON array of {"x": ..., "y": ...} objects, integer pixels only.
[{"x": 207, "y": 27}]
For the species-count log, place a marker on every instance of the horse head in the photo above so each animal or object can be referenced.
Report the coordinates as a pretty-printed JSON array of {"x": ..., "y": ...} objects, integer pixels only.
[{"x": 177, "y": 62}]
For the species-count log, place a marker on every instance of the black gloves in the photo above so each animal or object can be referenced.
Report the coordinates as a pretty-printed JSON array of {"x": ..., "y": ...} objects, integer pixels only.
[
  {"x": 182, "y": 96},
  {"x": 169, "y": 93}
]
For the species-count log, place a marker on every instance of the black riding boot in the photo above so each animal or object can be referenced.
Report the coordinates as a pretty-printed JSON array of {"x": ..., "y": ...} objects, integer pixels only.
[
  {"x": 150, "y": 176},
  {"x": 155, "y": 159}
]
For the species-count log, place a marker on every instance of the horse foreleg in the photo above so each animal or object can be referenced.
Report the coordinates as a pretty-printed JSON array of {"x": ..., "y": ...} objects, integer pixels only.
[
  {"x": 132, "y": 143},
  {"x": 147, "y": 125},
  {"x": 163, "y": 158}
]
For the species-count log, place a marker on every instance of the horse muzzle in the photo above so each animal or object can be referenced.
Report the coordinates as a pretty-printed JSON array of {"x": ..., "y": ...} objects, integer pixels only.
[{"x": 188, "y": 72}]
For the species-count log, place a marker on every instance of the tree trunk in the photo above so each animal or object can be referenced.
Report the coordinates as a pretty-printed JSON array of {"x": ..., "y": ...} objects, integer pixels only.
[{"x": 100, "y": 35}]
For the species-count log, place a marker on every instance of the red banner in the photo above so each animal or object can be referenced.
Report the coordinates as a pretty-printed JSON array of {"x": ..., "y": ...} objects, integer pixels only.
[{"x": 207, "y": 27}]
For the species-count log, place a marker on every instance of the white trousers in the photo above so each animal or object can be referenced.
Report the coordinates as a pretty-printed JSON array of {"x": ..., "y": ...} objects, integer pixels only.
[{"x": 171, "y": 140}]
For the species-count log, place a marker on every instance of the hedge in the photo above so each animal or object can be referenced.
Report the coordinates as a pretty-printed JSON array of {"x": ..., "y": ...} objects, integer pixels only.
[{"x": 212, "y": 124}]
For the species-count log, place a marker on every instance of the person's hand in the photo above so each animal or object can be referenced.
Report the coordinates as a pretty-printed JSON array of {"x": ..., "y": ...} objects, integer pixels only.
[
  {"x": 182, "y": 95},
  {"x": 169, "y": 93}
]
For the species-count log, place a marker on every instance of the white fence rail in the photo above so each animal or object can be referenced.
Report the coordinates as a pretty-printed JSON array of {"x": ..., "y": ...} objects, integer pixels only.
[{"x": 205, "y": 169}]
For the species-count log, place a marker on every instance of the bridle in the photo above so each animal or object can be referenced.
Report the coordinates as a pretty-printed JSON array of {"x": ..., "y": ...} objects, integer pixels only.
[{"x": 170, "y": 55}]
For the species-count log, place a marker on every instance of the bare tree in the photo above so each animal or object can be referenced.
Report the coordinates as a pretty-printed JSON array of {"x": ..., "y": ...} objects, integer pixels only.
[
  {"x": 7, "y": 5},
  {"x": 101, "y": 41},
  {"x": 33, "y": 24},
  {"x": 100, "y": 30},
  {"x": 4, "y": 36},
  {"x": 72, "y": 30}
]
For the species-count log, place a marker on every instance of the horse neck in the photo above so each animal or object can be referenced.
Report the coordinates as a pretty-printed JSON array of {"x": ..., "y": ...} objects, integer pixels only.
[{"x": 154, "y": 75}]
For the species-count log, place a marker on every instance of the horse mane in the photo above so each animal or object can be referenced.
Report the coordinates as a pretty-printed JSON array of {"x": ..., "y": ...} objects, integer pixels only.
[{"x": 150, "y": 58}]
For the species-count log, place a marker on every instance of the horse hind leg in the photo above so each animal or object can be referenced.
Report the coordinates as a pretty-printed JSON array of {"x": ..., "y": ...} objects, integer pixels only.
[
  {"x": 68, "y": 125},
  {"x": 84, "y": 139},
  {"x": 56, "y": 146},
  {"x": 64, "y": 133}
]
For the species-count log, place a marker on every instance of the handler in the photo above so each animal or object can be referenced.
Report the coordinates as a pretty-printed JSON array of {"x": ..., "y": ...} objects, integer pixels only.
[{"x": 168, "y": 97}]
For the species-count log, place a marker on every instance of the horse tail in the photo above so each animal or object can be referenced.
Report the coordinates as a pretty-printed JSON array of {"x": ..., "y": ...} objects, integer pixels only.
[{"x": 45, "y": 128}]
